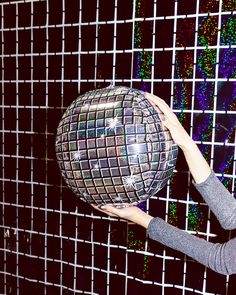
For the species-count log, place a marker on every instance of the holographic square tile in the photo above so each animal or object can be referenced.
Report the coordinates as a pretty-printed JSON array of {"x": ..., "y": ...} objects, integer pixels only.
[
  {"x": 92, "y": 154},
  {"x": 81, "y": 134},
  {"x": 86, "y": 174},
  {"x": 102, "y": 153},
  {"x": 122, "y": 161},
  {"x": 105, "y": 172},
  {"x": 113, "y": 162},
  {"x": 119, "y": 188},
  {"x": 67, "y": 165},
  {"x": 101, "y": 190},
  {"x": 110, "y": 141},
  {"x": 71, "y": 136},
  {"x": 111, "y": 151},
  {"x": 128, "y": 120},
  {"x": 110, "y": 189},
  {"x": 124, "y": 171},
  {"x": 100, "y": 132},
  {"x": 107, "y": 181},
  {"x": 90, "y": 124},
  {"x": 115, "y": 172},
  {"x": 91, "y": 143},
  {"x": 73, "y": 126},
  {"x": 133, "y": 160},
  {"x": 65, "y": 156},
  {"x": 117, "y": 180},
  {"x": 69, "y": 174},
  {"x": 91, "y": 116},
  {"x": 84, "y": 165},
  {"x": 77, "y": 174},
  {"x": 103, "y": 163},
  {"x": 92, "y": 191},
  {"x": 109, "y": 114}
]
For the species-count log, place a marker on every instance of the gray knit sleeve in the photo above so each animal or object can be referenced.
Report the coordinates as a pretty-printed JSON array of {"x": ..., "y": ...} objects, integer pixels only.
[
  {"x": 219, "y": 257},
  {"x": 219, "y": 199}
]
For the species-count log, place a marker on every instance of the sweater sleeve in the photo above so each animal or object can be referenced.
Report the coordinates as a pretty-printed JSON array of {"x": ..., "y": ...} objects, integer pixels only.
[
  {"x": 219, "y": 257},
  {"x": 219, "y": 199}
]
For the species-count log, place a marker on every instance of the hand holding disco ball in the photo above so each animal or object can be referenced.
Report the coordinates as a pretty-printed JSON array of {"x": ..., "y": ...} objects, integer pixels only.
[{"x": 112, "y": 147}]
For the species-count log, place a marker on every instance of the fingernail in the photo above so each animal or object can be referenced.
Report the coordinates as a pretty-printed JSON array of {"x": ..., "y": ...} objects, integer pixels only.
[{"x": 103, "y": 207}]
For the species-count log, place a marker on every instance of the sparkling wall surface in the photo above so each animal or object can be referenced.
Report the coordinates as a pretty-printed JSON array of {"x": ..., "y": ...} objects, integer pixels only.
[{"x": 53, "y": 51}]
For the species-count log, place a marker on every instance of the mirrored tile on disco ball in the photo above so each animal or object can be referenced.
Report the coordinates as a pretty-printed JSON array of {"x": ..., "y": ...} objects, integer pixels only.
[
  {"x": 80, "y": 183},
  {"x": 69, "y": 174},
  {"x": 71, "y": 136},
  {"x": 125, "y": 171},
  {"x": 77, "y": 174},
  {"x": 111, "y": 151},
  {"x": 144, "y": 167},
  {"x": 105, "y": 172},
  {"x": 81, "y": 134},
  {"x": 90, "y": 133},
  {"x": 96, "y": 173},
  {"x": 101, "y": 190},
  {"x": 91, "y": 143},
  {"x": 103, "y": 163},
  {"x": 110, "y": 189},
  {"x": 113, "y": 139},
  {"x": 110, "y": 141},
  {"x": 88, "y": 182},
  {"x": 67, "y": 165},
  {"x": 133, "y": 160},
  {"x": 86, "y": 174},
  {"x": 91, "y": 124},
  {"x": 113, "y": 162},
  {"x": 92, "y": 154},
  {"x": 64, "y": 156},
  {"x": 117, "y": 180},
  {"x": 102, "y": 153},
  {"x": 84, "y": 164},
  {"x": 91, "y": 116},
  {"x": 107, "y": 181},
  {"x": 115, "y": 172},
  {"x": 128, "y": 120}
]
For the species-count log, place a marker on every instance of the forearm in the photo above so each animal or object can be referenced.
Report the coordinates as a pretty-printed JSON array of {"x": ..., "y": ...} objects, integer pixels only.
[
  {"x": 198, "y": 166},
  {"x": 219, "y": 257}
]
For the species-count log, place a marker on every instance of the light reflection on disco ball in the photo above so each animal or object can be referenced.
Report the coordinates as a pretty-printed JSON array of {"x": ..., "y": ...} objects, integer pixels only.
[{"x": 111, "y": 147}]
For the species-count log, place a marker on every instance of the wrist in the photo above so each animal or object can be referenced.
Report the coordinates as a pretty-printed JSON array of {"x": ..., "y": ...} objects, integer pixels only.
[
  {"x": 142, "y": 219},
  {"x": 188, "y": 146}
]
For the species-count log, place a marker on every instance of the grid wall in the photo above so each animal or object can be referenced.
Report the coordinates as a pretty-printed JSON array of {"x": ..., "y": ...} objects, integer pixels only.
[{"x": 51, "y": 51}]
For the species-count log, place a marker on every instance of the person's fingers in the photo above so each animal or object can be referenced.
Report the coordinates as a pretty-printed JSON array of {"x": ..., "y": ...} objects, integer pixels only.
[
  {"x": 160, "y": 114},
  {"x": 97, "y": 208},
  {"x": 160, "y": 103},
  {"x": 103, "y": 211},
  {"x": 153, "y": 96},
  {"x": 112, "y": 209},
  {"x": 155, "y": 106},
  {"x": 156, "y": 99}
]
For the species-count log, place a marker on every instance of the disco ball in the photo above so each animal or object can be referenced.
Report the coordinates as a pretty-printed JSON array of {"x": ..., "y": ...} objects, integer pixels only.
[{"x": 111, "y": 147}]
